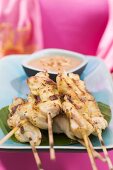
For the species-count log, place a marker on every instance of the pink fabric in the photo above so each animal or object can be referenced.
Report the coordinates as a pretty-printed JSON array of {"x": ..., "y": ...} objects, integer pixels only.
[
  {"x": 105, "y": 49},
  {"x": 20, "y": 26},
  {"x": 75, "y": 25}
]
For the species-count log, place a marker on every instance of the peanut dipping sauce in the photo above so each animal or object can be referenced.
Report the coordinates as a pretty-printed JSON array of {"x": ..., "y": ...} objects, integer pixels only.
[{"x": 55, "y": 63}]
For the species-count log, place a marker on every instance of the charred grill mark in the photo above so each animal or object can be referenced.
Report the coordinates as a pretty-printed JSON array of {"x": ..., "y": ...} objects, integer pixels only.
[
  {"x": 69, "y": 98},
  {"x": 50, "y": 82},
  {"x": 15, "y": 108},
  {"x": 102, "y": 142},
  {"x": 43, "y": 84},
  {"x": 71, "y": 101},
  {"x": 61, "y": 111},
  {"x": 30, "y": 139},
  {"x": 81, "y": 98},
  {"x": 91, "y": 100},
  {"x": 19, "y": 125},
  {"x": 54, "y": 97},
  {"x": 83, "y": 92},
  {"x": 72, "y": 89},
  {"x": 77, "y": 84},
  {"x": 61, "y": 96},
  {"x": 77, "y": 107},
  {"x": 37, "y": 98},
  {"x": 44, "y": 91},
  {"x": 10, "y": 115},
  {"x": 22, "y": 130}
]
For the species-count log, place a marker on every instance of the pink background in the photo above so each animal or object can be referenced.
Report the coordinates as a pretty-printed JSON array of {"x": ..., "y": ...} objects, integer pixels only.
[
  {"x": 64, "y": 161},
  {"x": 75, "y": 25}
]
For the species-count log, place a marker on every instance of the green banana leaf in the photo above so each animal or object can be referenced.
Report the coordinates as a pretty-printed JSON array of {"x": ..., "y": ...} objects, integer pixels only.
[
  {"x": 106, "y": 111},
  {"x": 59, "y": 139}
]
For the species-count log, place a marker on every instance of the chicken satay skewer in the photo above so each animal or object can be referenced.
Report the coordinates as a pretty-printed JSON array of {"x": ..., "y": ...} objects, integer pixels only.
[
  {"x": 18, "y": 110},
  {"x": 35, "y": 153},
  {"x": 89, "y": 98},
  {"x": 39, "y": 120},
  {"x": 74, "y": 115},
  {"x": 95, "y": 154},
  {"x": 86, "y": 141},
  {"x": 78, "y": 90},
  {"x": 89, "y": 146},
  {"x": 11, "y": 133},
  {"x": 12, "y": 110},
  {"x": 61, "y": 125},
  {"x": 32, "y": 135},
  {"x": 80, "y": 127},
  {"x": 48, "y": 104}
]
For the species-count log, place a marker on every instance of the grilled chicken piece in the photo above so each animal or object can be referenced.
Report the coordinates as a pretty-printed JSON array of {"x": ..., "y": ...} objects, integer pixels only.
[
  {"x": 81, "y": 99},
  {"x": 50, "y": 106},
  {"x": 90, "y": 104},
  {"x": 38, "y": 115},
  {"x": 21, "y": 112},
  {"x": 61, "y": 125},
  {"x": 41, "y": 85},
  {"x": 28, "y": 133},
  {"x": 78, "y": 123},
  {"x": 44, "y": 89},
  {"x": 16, "y": 102},
  {"x": 38, "y": 118},
  {"x": 45, "y": 98}
]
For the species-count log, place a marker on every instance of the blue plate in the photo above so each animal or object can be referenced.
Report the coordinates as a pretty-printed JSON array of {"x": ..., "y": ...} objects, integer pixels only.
[{"x": 13, "y": 84}]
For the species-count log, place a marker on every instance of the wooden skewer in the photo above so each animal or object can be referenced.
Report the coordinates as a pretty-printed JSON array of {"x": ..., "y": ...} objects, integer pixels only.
[
  {"x": 110, "y": 165},
  {"x": 36, "y": 156},
  {"x": 89, "y": 151},
  {"x": 94, "y": 152},
  {"x": 85, "y": 138},
  {"x": 3, "y": 140},
  {"x": 51, "y": 141},
  {"x": 99, "y": 134}
]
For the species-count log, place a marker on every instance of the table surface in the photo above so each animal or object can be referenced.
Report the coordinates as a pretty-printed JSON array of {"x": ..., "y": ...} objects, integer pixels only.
[{"x": 64, "y": 161}]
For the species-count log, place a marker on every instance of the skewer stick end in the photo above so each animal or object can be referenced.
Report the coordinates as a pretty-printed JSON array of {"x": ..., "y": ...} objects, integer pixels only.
[
  {"x": 52, "y": 154},
  {"x": 36, "y": 156}
]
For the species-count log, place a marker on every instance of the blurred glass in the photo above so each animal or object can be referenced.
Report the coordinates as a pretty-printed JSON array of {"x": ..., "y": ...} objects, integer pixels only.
[{"x": 14, "y": 41}]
